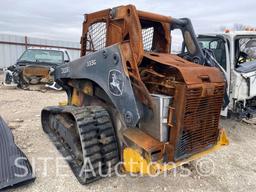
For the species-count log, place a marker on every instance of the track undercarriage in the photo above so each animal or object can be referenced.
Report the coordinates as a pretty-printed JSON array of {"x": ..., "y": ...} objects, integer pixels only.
[{"x": 85, "y": 137}]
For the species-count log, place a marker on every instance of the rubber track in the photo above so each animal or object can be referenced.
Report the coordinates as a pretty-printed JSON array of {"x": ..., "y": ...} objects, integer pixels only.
[
  {"x": 97, "y": 137},
  {"x": 10, "y": 154}
]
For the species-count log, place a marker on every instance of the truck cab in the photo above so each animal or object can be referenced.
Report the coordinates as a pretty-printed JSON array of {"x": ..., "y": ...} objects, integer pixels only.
[{"x": 236, "y": 53}]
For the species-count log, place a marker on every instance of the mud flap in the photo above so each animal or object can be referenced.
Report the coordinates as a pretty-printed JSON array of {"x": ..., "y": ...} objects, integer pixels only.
[{"x": 15, "y": 168}]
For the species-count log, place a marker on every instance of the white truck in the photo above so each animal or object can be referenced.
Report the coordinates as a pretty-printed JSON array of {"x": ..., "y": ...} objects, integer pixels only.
[{"x": 236, "y": 53}]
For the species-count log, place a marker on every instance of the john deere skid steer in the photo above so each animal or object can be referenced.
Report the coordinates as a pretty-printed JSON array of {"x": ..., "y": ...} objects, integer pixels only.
[{"x": 130, "y": 100}]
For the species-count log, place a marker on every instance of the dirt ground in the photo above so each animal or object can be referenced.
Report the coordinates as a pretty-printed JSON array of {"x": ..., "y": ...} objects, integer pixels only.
[{"x": 234, "y": 166}]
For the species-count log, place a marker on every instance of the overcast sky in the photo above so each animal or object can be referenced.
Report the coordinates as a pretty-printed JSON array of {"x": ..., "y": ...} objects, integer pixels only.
[{"x": 63, "y": 19}]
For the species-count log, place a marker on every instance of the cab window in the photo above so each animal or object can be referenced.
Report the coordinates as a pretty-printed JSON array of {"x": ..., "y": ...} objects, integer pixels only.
[
  {"x": 217, "y": 46},
  {"x": 245, "y": 50}
]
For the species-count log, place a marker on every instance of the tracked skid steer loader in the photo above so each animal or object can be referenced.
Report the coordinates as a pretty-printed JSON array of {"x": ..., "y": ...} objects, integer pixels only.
[{"x": 131, "y": 102}]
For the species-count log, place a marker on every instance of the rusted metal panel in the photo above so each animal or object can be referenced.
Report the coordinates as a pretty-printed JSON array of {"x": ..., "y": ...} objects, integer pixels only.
[
  {"x": 36, "y": 71},
  {"x": 154, "y": 17},
  {"x": 200, "y": 121},
  {"x": 191, "y": 72},
  {"x": 143, "y": 140}
]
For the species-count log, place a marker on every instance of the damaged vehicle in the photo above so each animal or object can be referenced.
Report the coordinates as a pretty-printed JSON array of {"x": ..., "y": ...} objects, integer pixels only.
[
  {"x": 35, "y": 66},
  {"x": 132, "y": 105},
  {"x": 236, "y": 53}
]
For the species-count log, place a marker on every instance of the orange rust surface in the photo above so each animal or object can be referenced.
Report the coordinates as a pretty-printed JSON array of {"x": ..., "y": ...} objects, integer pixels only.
[
  {"x": 143, "y": 140},
  {"x": 192, "y": 73},
  {"x": 126, "y": 26},
  {"x": 154, "y": 17},
  {"x": 36, "y": 71}
]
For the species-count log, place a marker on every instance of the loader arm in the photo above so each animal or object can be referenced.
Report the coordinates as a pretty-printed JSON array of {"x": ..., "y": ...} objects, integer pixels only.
[{"x": 106, "y": 70}]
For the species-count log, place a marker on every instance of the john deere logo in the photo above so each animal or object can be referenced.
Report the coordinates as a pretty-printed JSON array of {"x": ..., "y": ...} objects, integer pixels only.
[{"x": 115, "y": 82}]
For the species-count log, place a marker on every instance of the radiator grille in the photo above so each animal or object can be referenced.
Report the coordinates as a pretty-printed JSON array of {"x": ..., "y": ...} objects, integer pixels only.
[{"x": 201, "y": 120}]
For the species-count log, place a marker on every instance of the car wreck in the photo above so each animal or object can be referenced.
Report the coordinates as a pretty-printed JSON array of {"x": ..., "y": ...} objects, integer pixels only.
[{"x": 35, "y": 66}]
